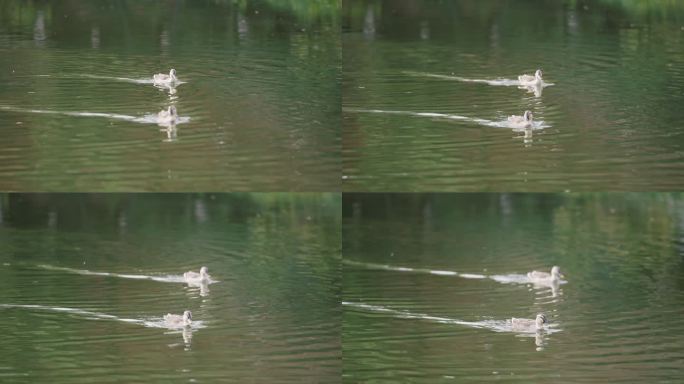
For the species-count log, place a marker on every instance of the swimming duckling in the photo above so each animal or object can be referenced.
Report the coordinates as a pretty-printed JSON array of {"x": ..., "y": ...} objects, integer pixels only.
[
  {"x": 178, "y": 321},
  {"x": 194, "y": 277},
  {"x": 531, "y": 81},
  {"x": 170, "y": 116},
  {"x": 162, "y": 78},
  {"x": 524, "y": 121},
  {"x": 545, "y": 277},
  {"x": 529, "y": 325}
]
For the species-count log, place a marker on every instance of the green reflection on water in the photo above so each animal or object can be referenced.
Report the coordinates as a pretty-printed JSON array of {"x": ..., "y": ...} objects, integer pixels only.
[
  {"x": 261, "y": 94},
  {"x": 273, "y": 316},
  {"x": 616, "y": 316},
  {"x": 616, "y": 69}
]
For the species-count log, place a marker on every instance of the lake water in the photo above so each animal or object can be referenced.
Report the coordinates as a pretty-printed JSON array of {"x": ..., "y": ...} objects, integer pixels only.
[
  {"x": 272, "y": 316},
  {"x": 428, "y": 86},
  {"x": 260, "y": 103},
  {"x": 429, "y": 282}
]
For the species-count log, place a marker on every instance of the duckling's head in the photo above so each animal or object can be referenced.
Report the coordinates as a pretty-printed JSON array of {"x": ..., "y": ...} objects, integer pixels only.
[
  {"x": 538, "y": 74},
  {"x": 172, "y": 72},
  {"x": 187, "y": 317},
  {"x": 555, "y": 272},
  {"x": 203, "y": 271},
  {"x": 528, "y": 116},
  {"x": 540, "y": 321}
]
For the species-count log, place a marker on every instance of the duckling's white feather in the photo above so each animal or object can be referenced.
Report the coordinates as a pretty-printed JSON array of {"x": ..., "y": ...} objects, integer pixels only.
[
  {"x": 531, "y": 80},
  {"x": 194, "y": 277},
  {"x": 524, "y": 121},
  {"x": 162, "y": 78},
  {"x": 177, "y": 321},
  {"x": 545, "y": 277},
  {"x": 529, "y": 325}
]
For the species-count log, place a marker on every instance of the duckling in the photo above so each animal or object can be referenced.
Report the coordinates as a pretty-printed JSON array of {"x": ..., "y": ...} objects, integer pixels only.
[
  {"x": 530, "y": 81},
  {"x": 545, "y": 277},
  {"x": 162, "y": 78},
  {"x": 170, "y": 116},
  {"x": 529, "y": 324},
  {"x": 524, "y": 121},
  {"x": 194, "y": 277},
  {"x": 178, "y": 321}
]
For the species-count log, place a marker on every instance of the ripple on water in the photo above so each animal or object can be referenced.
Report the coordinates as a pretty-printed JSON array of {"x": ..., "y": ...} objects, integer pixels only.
[
  {"x": 609, "y": 104},
  {"x": 413, "y": 308},
  {"x": 233, "y": 114}
]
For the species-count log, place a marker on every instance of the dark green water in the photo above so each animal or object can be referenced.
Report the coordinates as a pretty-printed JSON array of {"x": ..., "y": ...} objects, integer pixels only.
[
  {"x": 261, "y": 95},
  {"x": 273, "y": 315},
  {"x": 611, "y": 121},
  {"x": 423, "y": 301}
]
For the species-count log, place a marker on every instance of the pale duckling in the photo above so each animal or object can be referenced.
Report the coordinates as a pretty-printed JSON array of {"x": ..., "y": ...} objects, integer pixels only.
[
  {"x": 162, "y": 78},
  {"x": 178, "y": 321},
  {"x": 524, "y": 121},
  {"x": 197, "y": 278},
  {"x": 529, "y": 325},
  {"x": 170, "y": 116},
  {"x": 545, "y": 277},
  {"x": 531, "y": 81}
]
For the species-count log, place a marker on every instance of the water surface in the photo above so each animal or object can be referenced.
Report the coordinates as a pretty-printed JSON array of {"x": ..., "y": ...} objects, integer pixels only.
[
  {"x": 260, "y": 101},
  {"x": 86, "y": 279},
  {"x": 430, "y": 283},
  {"x": 428, "y": 84}
]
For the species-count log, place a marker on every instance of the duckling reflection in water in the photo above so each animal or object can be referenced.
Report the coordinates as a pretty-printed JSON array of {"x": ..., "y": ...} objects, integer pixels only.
[
  {"x": 187, "y": 335},
  {"x": 529, "y": 325},
  {"x": 527, "y": 137},
  {"x": 168, "y": 119},
  {"x": 536, "y": 89},
  {"x": 171, "y": 132},
  {"x": 178, "y": 321},
  {"x": 202, "y": 285},
  {"x": 554, "y": 285},
  {"x": 171, "y": 88},
  {"x": 539, "y": 340}
]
